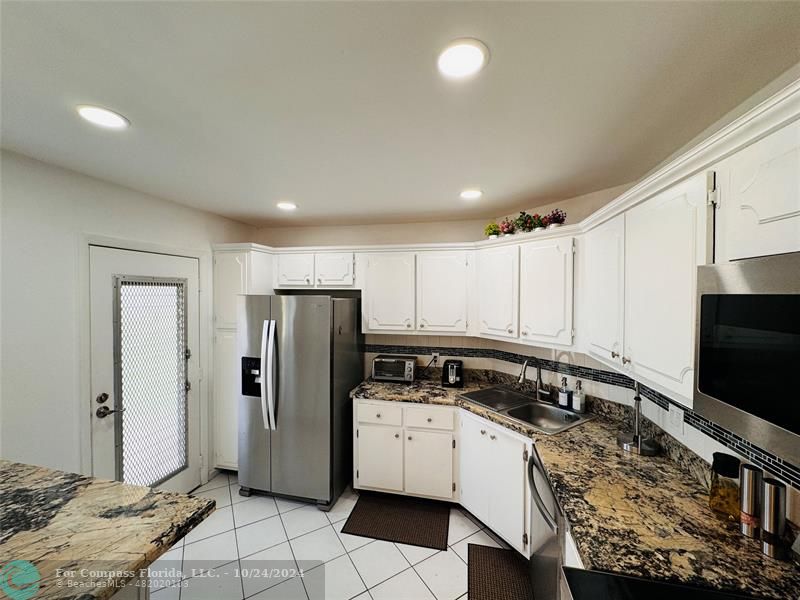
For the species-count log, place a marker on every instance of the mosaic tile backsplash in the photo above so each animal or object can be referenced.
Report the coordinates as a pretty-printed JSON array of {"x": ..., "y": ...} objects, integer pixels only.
[{"x": 769, "y": 462}]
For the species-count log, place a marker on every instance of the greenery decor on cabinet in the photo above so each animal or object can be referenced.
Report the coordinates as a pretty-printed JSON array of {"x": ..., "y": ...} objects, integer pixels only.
[
  {"x": 492, "y": 230},
  {"x": 537, "y": 222},
  {"x": 524, "y": 222},
  {"x": 507, "y": 226},
  {"x": 556, "y": 218}
]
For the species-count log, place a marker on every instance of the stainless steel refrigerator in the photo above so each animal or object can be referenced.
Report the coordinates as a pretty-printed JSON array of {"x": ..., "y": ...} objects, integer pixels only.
[{"x": 299, "y": 357}]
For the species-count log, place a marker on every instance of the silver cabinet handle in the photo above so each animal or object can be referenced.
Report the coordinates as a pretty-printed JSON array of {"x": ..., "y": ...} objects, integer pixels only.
[
  {"x": 429, "y": 420},
  {"x": 492, "y": 437},
  {"x": 483, "y": 432},
  {"x": 614, "y": 354},
  {"x": 103, "y": 411},
  {"x": 409, "y": 438},
  {"x": 397, "y": 435}
]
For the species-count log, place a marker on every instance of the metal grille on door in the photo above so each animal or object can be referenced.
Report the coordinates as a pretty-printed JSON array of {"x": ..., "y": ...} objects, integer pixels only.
[{"x": 150, "y": 378}]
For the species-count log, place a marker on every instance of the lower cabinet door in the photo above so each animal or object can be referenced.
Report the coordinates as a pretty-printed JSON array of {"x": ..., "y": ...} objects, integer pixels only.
[
  {"x": 473, "y": 471},
  {"x": 429, "y": 463},
  {"x": 380, "y": 457},
  {"x": 507, "y": 506},
  {"x": 226, "y": 399}
]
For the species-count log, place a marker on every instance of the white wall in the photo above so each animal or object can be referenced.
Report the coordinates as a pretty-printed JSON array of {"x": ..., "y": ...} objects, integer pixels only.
[{"x": 47, "y": 212}]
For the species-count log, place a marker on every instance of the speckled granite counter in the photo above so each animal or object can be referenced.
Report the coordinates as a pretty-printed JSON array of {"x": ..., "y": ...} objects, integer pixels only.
[
  {"x": 638, "y": 516},
  {"x": 59, "y": 520}
]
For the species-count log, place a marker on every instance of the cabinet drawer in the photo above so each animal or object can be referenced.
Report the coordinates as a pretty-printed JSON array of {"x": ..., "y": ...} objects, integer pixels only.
[
  {"x": 430, "y": 417},
  {"x": 381, "y": 414}
]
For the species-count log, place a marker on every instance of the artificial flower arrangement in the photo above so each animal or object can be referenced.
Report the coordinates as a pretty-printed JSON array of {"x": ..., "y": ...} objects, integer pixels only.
[
  {"x": 556, "y": 217},
  {"x": 507, "y": 226},
  {"x": 538, "y": 223},
  {"x": 492, "y": 230},
  {"x": 524, "y": 222}
]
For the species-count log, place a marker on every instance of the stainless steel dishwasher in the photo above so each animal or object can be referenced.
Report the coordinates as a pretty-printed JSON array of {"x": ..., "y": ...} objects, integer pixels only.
[{"x": 547, "y": 531}]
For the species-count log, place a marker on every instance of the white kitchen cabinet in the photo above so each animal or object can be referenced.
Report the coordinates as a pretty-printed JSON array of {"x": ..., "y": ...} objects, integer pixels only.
[
  {"x": 546, "y": 284},
  {"x": 295, "y": 270},
  {"x": 230, "y": 280},
  {"x": 380, "y": 457},
  {"x": 666, "y": 238},
  {"x": 429, "y": 463},
  {"x": 604, "y": 293},
  {"x": 226, "y": 384},
  {"x": 442, "y": 284},
  {"x": 389, "y": 293},
  {"x": 498, "y": 291},
  {"x": 334, "y": 269},
  {"x": 493, "y": 478},
  {"x": 759, "y": 197}
]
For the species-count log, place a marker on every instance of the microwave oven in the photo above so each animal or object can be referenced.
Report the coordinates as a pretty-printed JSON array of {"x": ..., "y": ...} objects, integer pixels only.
[{"x": 747, "y": 350}]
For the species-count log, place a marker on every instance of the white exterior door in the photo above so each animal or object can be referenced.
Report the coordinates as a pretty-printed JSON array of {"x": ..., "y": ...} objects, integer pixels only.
[
  {"x": 295, "y": 270},
  {"x": 389, "y": 292},
  {"x": 604, "y": 258},
  {"x": 498, "y": 291},
  {"x": 760, "y": 199},
  {"x": 665, "y": 241},
  {"x": 546, "y": 271},
  {"x": 380, "y": 457},
  {"x": 334, "y": 269},
  {"x": 442, "y": 283},
  {"x": 429, "y": 463},
  {"x": 144, "y": 407}
]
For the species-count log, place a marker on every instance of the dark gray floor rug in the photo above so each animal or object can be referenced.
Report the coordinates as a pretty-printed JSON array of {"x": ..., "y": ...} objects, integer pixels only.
[
  {"x": 401, "y": 519},
  {"x": 497, "y": 574}
]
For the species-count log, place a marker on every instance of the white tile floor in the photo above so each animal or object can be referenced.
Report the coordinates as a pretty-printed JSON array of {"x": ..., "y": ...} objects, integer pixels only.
[{"x": 262, "y": 532}]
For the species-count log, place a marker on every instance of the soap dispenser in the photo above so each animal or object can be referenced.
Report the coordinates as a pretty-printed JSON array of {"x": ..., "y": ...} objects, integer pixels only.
[
  {"x": 578, "y": 398},
  {"x": 564, "y": 394}
]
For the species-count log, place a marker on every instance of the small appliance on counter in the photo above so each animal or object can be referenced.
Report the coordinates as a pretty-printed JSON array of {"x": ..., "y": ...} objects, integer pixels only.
[
  {"x": 453, "y": 374},
  {"x": 389, "y": 367}
]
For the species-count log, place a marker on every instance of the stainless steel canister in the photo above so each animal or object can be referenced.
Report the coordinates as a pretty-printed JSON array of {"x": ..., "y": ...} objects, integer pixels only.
[
  {"x": 773, "y": 518},
  {"x": 750, "y": 489}
]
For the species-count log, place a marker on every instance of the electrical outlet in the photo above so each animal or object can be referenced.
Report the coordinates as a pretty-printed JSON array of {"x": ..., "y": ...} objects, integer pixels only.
[
  {"x": 435, "y": 359},
  {"x": 675, "y": 420}
]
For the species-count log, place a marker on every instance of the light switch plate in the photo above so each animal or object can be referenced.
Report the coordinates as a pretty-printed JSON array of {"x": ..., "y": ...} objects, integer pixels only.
[{"x": 675, "y": 420}]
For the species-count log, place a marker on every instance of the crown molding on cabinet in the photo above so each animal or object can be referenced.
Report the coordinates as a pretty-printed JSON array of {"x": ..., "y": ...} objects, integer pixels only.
[{"x": 777, "y": 111}]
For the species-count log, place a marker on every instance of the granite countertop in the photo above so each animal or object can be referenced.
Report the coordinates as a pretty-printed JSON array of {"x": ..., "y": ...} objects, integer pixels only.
[
  {"x": 58, "y": 520},
  {"x": 641, "y": 516}
]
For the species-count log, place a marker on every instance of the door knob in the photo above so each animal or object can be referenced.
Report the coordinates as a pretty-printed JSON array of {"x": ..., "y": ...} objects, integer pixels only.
[
  {"x": 103, "y": 411},
  {"x": 102, "y": 398}
]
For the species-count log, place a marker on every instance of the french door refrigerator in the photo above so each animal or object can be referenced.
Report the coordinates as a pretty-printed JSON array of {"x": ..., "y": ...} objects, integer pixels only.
[{"x": 299, "y": 357}]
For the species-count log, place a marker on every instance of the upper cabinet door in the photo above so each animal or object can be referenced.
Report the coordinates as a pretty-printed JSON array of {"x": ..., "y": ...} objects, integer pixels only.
[
  {"x": 388, "y": 297},
  {"x": 760, "y": 206},
  {"x": 230, "y": 279},
  {"x": 604, "y": 256},
  {"x": 498, "y": 291},
  {"x": 442, "y": 283},
  {"x": 665, "y": 241},
  {"x": 546, "y": 291},
  {"x": 295, "y": 270},
  {"x": 334, "y": 269}
]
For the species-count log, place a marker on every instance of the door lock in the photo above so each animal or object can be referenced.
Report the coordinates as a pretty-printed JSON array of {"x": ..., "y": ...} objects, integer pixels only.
[
  {"x": 103, "y": 411},
  {"x": 101, "y": 398}
]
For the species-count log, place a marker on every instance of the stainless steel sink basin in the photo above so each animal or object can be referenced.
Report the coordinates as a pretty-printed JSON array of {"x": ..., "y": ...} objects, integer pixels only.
[
  {"x": 544, "y": 417},
  {"x": 548, "y": 419},
  {"x": 497, "y": 398}
]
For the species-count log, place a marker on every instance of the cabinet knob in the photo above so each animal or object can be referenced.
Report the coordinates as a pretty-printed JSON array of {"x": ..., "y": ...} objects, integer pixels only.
[
  {"x": 492, "y": 437},
  {"x": 408, "y": 325},
  {"x": 421, "y": 325},
  {"x": 483, "y": 432},
  {"x": 429, "y": 419},
  {"x": 625, "y": 360},
  {"x": 397, "y": 435},
  {"x": 308, "y": 280},
  {"x": 510, "y": 331},
  {"x": 614, "y": 354},
  {"x": 378, "y": 415},
  {"x": 525, "y": 333},
  {"x": 319, "y": 279},
  {"x": 409, "y": 438}
]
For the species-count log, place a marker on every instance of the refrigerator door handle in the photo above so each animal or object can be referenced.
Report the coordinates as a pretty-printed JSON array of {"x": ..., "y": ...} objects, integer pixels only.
[
  {"x": 264, "y": 340},
  {"x": 273, "y": 325}
]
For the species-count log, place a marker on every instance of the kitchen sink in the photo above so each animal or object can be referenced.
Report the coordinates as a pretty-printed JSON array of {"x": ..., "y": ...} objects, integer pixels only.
[
  {"x": 497, "y": 398},
  {"x": 544, "y": 417}
]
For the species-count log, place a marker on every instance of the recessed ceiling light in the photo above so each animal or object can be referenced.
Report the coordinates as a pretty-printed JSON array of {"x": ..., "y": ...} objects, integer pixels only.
[
  {"x": 287, "y": 205},
  {"x": 102, "y": 117},
  {"x": 471, "y": 194},
  {"x": 463, "y": 58}
]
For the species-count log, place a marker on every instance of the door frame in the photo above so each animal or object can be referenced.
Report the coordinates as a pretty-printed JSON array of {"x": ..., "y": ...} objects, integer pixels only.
[{"x": 83, "y": 319}]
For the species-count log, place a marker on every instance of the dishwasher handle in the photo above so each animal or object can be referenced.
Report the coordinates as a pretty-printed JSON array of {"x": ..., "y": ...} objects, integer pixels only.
[{"x": 534, "y": 464}]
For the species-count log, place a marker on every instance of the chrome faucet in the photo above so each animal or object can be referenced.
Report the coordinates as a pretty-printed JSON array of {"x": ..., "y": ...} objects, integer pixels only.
[{"x": 521, "y": 379}]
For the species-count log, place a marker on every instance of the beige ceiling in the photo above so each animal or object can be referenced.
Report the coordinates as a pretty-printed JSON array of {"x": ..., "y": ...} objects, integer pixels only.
[{"x": 338, "y": 106}]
